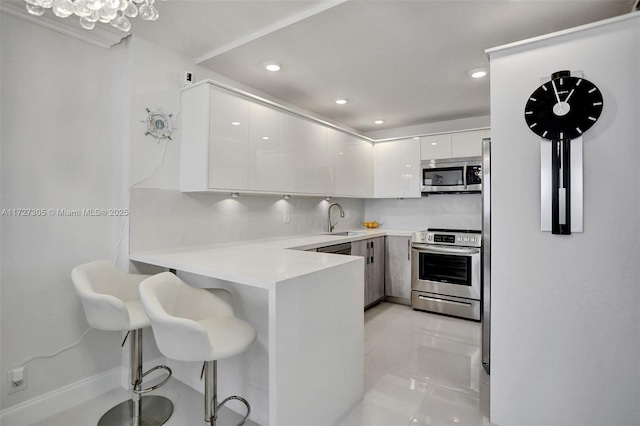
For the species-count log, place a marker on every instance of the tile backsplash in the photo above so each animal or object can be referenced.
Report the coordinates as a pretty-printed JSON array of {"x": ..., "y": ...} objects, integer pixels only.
[
  {"x": 161, "y": 218},
  {"x": 456, "y": 211}
]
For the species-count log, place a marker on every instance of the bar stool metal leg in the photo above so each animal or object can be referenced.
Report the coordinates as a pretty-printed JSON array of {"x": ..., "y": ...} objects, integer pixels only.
[
  {"x": 211, "y": 392},
  {"x": 211, "y": 405},
  {"x": 151, "y": 410}
]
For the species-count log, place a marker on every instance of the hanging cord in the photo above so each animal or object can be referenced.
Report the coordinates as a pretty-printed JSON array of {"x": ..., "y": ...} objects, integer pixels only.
[
  {"x": 144, "y": 179},
  {"x": 73, "y": 345},
  {"x": 153, "y": 172}
]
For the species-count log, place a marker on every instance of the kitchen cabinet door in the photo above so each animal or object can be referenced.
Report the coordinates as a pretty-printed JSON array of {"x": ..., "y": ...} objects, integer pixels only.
[
  {"x": 435, "y": 146},
  {"x": 467, "y": 144},
  {"x": 264, "y": 148},
  {"x": 318, "y": 170},
  {"x": 375, "y": 280},
  {"x": 366, "y": 177},
  {"x": 345, "y": 155},
  {"x": 396, "y": 166},
  {"x": 292, "y": 173},
  {"x": 398, "y": 267},
  {"x": 373, "y": 251},
  {"x": 361, "y": 248},
  {"x": 229, "y": 130}
]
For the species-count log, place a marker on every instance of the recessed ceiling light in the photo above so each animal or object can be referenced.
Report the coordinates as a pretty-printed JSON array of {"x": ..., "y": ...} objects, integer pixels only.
[
  {"x": 478, "y": 73},
  {"x": 235, "y": 123},
  {"x": 342, "y": 101},
  {"x": 378, "y": 122},
  {"x": 273, "y": 66},
  {"x": 266, "y": 138}
]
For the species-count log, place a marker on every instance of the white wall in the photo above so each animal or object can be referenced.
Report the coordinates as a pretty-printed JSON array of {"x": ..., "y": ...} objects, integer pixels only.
[
  {"x": 565, "y": 309},
  {"x": 63, "y": 105}
]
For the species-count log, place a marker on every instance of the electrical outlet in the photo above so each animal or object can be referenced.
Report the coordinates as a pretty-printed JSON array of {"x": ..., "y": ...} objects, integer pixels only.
[
  {"x": 17, "y": 379},
  {"x": 285, "y": 217}
]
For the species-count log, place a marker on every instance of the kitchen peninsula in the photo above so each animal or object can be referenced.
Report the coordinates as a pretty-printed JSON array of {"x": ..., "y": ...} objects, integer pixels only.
[{"x": 306, "y": 366}]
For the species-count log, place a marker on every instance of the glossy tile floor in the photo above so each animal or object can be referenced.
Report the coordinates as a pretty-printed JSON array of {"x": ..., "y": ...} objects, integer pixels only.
[
  {"x": 421, "y": 369},
  {"x": 188, "y": 408}
]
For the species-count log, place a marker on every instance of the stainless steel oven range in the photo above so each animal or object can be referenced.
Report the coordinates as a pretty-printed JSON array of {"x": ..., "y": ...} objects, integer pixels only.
[{"x": 445, "y": 272}]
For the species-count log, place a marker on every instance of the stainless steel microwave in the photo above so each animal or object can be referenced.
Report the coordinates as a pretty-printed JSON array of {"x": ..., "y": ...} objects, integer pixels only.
[{"x": 456, "y": 175}]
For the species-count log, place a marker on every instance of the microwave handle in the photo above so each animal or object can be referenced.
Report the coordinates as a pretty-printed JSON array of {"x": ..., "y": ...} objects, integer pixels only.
[{"x": 464, "y": 175}]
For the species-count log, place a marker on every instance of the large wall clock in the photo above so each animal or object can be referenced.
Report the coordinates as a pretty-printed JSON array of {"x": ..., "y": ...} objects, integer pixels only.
[{"x": 560, "y": 110}]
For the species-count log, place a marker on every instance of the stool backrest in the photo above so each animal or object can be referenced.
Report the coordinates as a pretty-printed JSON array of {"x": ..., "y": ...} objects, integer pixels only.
[
  {"x": 174, "y": 309},
  {"x": 103, "y": 290}
]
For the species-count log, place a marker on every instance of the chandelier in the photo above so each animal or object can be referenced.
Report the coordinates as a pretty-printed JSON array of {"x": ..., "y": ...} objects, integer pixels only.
[{"x": 114, "y": 12}]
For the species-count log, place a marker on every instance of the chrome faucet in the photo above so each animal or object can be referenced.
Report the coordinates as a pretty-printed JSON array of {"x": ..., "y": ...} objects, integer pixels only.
[{"x": 329, "y": 213}]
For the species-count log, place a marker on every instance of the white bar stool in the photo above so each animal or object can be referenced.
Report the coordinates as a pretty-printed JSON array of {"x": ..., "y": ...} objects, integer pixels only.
[
  {"x": 194, "y": 324},
  {"x": 111, "y": 301}
]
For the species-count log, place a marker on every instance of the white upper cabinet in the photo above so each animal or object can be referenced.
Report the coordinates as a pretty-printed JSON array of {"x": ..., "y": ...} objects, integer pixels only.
[
  {"x": 233, "y": 143},
  {"x": 229, "y": 130},
  {"x": 453, "y": 145},
  {"x": 397, "y": 169},
  {"x": 435, "y": 146},
  {"x": 318, "y": 177},
  {"x": 214, "y": 147},
  {"x": 467, "y": 144},
  {"x": 345, "y": 155},
  {"x": 264, "y": 148},
  {"x": 366, "y": 177}
]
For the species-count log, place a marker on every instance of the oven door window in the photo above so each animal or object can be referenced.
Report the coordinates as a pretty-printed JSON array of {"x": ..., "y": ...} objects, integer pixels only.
[
  {"x": 445, "y": 268},
  {"x": 450, "y": 176}
]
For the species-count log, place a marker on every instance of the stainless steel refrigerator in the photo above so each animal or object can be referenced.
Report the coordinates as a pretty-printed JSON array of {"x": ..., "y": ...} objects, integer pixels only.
[{"x": 485, "y": 316}]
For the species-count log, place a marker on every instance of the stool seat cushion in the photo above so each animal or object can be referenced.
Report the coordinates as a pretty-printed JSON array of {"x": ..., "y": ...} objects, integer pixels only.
[
  {"x": 137, "y": 316},
  {"x": 193, "y": 324},
  {"x": 110, "y": 297}
]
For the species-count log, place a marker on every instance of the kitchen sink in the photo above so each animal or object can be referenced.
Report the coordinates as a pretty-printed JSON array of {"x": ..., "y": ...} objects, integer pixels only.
[{"x": 345, "y": 233}]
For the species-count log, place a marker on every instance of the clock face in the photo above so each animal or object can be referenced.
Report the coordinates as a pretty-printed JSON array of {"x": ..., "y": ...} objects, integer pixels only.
[{"x": 563, "y": 108}]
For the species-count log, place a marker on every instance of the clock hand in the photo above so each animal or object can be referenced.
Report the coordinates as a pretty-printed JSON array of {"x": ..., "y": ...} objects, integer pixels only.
[
  {"x": 570, "y": 93},
  {"x": 555, "y": 90}
]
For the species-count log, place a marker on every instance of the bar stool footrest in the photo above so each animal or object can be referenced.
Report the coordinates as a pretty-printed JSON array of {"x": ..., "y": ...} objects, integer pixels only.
[
  {"x": 151, "y": 388},
  {"x": 241, "y": 399}
]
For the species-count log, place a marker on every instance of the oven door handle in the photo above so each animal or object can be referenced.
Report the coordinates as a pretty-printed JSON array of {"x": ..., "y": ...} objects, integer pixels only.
[
  {"x": 433, "y": 299},
  {"x": 447, "y": 250}
]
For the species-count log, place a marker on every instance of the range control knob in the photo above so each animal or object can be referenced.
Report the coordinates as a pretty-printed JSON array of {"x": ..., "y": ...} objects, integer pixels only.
[{"x": 423, "y": 236}]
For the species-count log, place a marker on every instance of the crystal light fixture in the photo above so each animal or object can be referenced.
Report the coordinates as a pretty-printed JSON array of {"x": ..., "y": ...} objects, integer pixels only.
[{"x": 114, "y": 12}]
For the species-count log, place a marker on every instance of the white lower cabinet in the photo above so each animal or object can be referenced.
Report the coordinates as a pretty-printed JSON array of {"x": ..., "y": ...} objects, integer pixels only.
[
  {"x": 373, "y": 251},
  {"x": 398, "y": 268}
]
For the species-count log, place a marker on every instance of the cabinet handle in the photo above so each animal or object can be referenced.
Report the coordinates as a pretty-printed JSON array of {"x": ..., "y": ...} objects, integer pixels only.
[
  {"x": 372, "y": 252},
  {"x": 368, "y": 251},
  {"x": 409, "y": 250},
  {"x": 432, "y": 299}
]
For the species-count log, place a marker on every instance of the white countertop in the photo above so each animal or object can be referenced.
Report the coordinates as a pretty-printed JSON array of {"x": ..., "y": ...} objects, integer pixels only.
[{"x": 260, "y": 263}]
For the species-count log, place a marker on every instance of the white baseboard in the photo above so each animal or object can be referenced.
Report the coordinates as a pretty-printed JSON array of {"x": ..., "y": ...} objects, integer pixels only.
[
  {"x": 39, "y": 408},
  {"x": 54, "y": 402}
]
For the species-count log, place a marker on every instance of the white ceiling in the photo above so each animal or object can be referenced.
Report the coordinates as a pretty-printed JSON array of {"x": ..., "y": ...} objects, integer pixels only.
[{"x": 406, "y": 62}]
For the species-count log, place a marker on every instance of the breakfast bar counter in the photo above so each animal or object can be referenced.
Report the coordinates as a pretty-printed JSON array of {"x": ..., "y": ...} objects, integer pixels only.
[{"x": 307, "y": 365}]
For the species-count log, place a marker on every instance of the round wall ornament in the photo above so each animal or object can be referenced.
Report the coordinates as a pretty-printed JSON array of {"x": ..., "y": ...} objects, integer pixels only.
[{"x": 159, "y": 125}]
